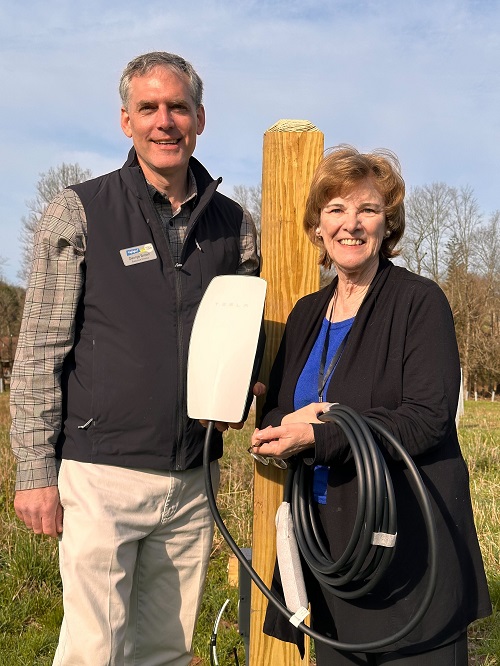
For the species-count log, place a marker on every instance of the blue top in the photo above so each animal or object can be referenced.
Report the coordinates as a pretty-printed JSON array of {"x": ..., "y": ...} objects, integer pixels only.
[{"x": 306, "y": 390}]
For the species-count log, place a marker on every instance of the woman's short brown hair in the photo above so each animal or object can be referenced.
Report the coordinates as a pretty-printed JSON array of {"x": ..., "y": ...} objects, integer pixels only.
[{"x": 338, "y": 173}]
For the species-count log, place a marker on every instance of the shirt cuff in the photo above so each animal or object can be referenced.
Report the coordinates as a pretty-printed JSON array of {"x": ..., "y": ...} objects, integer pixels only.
[{"x": 36, "y": 474}]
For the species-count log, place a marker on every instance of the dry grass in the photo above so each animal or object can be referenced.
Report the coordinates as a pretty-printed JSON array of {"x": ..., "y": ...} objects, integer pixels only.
[
  {"x": 480, "y": 440},
  {"x": 235, "y": 497},
  {"x": 8, "y": 521},
  {"x": 30, "y": 607}
]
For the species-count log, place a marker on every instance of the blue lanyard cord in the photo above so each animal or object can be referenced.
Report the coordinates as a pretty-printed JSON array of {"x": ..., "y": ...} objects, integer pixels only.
[{"x": 322, "y": 376}]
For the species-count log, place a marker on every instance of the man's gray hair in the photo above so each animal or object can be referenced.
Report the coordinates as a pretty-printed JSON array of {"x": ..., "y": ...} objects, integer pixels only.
[{"x": 143, "y": 64}]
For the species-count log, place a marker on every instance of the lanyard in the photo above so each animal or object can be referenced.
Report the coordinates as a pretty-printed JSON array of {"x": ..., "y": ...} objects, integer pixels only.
[{"x": 323, "y": 376}]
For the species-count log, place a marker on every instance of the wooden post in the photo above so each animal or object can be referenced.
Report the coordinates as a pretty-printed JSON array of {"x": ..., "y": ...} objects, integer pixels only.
[{"x": 292, "y": 150}]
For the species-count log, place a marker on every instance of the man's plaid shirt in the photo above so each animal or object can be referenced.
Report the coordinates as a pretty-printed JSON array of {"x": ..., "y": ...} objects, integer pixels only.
[{"x": 48, "y": 326}]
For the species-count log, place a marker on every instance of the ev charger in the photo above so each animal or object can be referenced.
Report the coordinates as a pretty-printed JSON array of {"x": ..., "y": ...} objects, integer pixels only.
[
  {"x": 222, "y": 353},
  {"x": 223, "y": 347}
]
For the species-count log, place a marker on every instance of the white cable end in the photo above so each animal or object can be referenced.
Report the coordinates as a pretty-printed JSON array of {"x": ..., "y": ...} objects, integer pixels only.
[
  {"x": 327, "y": 406},
  {"x": 299, "y": 616},
  {"x": 384, "y": 539}
]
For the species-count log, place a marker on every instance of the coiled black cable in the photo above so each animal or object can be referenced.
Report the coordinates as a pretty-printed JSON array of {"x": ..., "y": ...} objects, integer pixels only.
[{"x": 362, "y": 564}]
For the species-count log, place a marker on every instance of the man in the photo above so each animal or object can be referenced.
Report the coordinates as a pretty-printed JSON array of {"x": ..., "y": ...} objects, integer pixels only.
[{"x": 121, "y": 263}]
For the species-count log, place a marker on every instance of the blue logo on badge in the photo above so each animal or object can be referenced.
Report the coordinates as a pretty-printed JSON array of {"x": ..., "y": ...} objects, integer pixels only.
[{"x": 133, "y": 250}]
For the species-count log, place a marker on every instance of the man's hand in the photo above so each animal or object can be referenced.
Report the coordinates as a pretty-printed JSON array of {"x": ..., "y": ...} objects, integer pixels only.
[
  {"x": 258, "y": 389},
  {"x": 40, "y": 510}
]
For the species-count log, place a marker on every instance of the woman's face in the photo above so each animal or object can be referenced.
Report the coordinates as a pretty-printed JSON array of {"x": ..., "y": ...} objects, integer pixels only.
[{"x": 352, "y": 229}]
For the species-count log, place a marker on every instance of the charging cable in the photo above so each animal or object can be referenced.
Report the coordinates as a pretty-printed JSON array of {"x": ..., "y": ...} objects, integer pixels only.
[
  {"x": 374, "y": 536},
  {"x": 213, "y": 639}
]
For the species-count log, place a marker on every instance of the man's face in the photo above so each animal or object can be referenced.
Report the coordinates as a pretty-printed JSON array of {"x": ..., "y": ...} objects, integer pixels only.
[{"x": 163, "y": 122}]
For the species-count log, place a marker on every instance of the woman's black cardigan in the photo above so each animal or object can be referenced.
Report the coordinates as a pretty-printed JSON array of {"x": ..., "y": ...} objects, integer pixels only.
[{"x": 400, "y": 367}]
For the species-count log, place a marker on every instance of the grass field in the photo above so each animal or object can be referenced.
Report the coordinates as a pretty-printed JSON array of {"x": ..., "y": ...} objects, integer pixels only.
[{"x": 30, "y": 603}]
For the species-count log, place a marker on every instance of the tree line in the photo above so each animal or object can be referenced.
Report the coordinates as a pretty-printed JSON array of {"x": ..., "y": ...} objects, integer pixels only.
[{"x": 447, "y": 239}]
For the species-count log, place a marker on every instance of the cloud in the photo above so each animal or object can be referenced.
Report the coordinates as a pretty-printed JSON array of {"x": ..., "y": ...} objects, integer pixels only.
[{"x": 418, "y": 77}]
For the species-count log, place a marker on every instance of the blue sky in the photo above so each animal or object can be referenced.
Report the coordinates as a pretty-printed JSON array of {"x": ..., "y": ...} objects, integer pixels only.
[{"x": 419, "y": 77}]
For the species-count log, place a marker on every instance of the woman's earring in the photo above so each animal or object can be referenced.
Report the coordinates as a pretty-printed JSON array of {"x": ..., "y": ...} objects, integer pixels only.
[{"x": 387, "y": 233}]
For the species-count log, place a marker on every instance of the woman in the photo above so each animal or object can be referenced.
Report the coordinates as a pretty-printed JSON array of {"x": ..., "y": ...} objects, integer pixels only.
[{"x": 380, "y": 340}]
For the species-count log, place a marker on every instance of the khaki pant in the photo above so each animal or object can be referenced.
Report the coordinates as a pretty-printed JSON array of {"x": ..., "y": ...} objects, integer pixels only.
[{"x": 133, "y": 557}]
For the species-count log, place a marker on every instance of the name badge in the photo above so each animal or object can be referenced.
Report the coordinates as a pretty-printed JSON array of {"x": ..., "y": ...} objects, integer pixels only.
[{"x": 137, "y": 255}]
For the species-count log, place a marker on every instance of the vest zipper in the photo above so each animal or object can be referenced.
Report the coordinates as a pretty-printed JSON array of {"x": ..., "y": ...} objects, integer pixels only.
[
  {"x": 181, "y": 380},
  {"x": 181, "y": 407}
]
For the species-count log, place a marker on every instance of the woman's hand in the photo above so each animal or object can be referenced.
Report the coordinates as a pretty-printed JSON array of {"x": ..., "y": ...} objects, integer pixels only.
[
  {"x": 283, "y": 441},
  {"x": 307, "y": 414},
  {"x": 295, "y": 433}
]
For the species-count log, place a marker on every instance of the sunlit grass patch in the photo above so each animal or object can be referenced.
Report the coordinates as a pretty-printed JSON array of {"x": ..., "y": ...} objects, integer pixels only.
[{"x": 30, "y": 592}]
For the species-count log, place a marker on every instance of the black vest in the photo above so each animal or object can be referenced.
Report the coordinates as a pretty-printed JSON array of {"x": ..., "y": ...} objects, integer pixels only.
[{"x": 124, "y": 383}]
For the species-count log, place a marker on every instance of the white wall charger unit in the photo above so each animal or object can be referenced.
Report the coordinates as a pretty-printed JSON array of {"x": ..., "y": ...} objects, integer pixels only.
[{"x": 223, "y": 346}]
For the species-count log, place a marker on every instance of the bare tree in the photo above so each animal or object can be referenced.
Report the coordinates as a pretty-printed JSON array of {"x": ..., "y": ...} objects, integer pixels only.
[
  {"x": 250, "y": 197},
  {"x": 48, "y": 186},
  {"x": 428, "y": 221},
  {"x": 465, "y": 220},
  {"x": 486, "y": 357},
  {"x": 471, "y": 283},
  {"x": 487, "y": 246}
]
